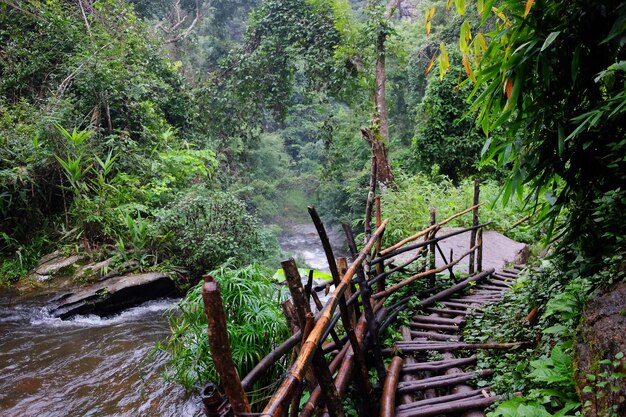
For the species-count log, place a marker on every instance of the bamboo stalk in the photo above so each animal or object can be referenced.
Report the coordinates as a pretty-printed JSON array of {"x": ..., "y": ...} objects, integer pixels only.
[
  {"x": 450, "y": 408},
  {"x": 424, "y": 347},
  {"x": 438, "y": 327},
  {"x": 425, "y": 231},
  {"x": 275, "y": 405},
  {"x": 461, "y": 285},
  {"x": 435, "y": 336},
  {"x": 388, "y": 399},
  {"x": 448, "y": 311},
  {"x": 431, "y": 250},
  {"x": 479, "y": 254},
  {"x": 439, "y": 320},
  {"x": 380, "y": 268},
  {"x": 363, "y": 375},
  {"x": 407, "y": 281},
  {"x": 367, "y": 307},
  {"x": 220, "y": 346},
  {"x": 370, "y": 199}
]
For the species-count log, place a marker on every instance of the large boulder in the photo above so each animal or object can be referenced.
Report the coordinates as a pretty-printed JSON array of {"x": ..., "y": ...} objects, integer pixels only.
[
  {"x": 601, "y": 355},
  {"x": 115, "y": 294}
]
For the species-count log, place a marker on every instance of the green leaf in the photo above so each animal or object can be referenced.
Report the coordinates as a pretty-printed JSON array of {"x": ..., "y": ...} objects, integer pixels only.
[
  {"x": 460, "y": 6},
  {"x": 551, "y": 37}
]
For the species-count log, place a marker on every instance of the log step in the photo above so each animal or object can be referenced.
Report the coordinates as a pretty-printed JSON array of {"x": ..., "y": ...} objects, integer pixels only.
[
  {"x": 439, "y": 327},
  {"x": 438, "y": 320},
  {"x": 440, "y": 400},
  {"x": 438, "y": 365},
  {"x": 451, "y": 407},
  {"x": 435, "y": 336},
  {"x": 440, "y": 381}
]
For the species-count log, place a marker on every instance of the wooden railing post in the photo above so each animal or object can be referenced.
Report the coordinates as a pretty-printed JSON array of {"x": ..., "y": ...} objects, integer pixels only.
[
  {"x": 431, "y": 249},
  {"x": 474, "y": 223},
  {"x": 220, "y": 347}
]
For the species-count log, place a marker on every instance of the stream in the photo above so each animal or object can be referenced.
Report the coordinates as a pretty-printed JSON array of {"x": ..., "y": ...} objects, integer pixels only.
[{"x": 92, "y": 366}]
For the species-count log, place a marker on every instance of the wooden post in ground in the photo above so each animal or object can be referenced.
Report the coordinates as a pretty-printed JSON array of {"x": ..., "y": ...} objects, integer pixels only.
[
  {"x": 479, "y": 251},
  {"x": 474, "y": 223},
  {"x": 220, "y": 347},
  {"x": 431, "y": 249}
]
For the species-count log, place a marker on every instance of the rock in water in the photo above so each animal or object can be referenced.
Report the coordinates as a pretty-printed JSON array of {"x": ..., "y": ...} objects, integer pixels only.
[{"x": 111, "y": 296}]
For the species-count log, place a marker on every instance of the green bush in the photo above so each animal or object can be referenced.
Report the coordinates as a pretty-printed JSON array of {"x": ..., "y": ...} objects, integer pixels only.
[
  {"x": 205, "y": 228},
  {"x": 407, "y": 207}
]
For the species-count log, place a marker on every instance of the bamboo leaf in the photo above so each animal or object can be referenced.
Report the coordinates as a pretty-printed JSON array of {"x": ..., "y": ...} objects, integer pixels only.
[
  {"x": 480, "y": 6},
  {"x": 508, "y": 88},
  {"x": 429, "y": 17},
  {"x": 551, "y": 37},
  {"x": 460, "y": 6},
  {"x": 444, "y": 61},
  {"x": 529, "y": 4},
  {"x": 468, "y": 68},
  {"x": 448, "y": 4}
]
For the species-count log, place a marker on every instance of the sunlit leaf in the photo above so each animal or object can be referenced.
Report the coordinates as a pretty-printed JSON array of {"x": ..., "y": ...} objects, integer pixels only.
[
  {"x": 480, "y": 6},
  {"x": 430, "y": 64},
  {"x": 466, "y": 36},
  {"x": 429, "y": 17},
  {"x": 551, "y": 37},
  {"x": 529, "y": 4},
  {"x": 448, "y": 4},
  {"x": 468, "y": 68},
  {"x": 460, "y": 6}
]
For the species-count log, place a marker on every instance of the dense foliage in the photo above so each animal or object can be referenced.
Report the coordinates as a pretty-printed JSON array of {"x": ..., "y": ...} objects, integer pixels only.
[{"x": 255, "y": 325}]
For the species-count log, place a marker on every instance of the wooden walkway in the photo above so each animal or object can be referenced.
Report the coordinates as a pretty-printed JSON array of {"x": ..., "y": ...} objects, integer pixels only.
[{"x": 327, "y": 358}]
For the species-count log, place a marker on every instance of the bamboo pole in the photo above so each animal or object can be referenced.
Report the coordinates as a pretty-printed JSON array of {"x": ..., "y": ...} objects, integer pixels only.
[
  {"x": 440, "y": 381},
  {"x": 449, "y": 346},
  {"x": 440, "y": 400},
  {"x": 425, "y": 231},
  {"x": 447, "y": 292},
  {"x": 409, "y": 280},
  {"x": 220, "y": 346},
  {"x": 362, "y": 379},
  {"x": 275, "y": 406},
  {"x": 320, "y": 367},
  {"x": 479, "y": 253},
  {"x": 431, "y": 248},
  {"x": 380, "y": 268},
  {"x": 367, "y": 309},
  {"x": 474, "y": 223},
  {"x": 388, "y": 399}
]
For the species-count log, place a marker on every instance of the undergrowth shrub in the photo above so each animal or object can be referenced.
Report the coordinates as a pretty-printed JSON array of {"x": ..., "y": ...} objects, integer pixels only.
[
  {"x": 204, "y": 228},
  {"x": 407, "y": 207},
  {"x": 255, "y": 326}
]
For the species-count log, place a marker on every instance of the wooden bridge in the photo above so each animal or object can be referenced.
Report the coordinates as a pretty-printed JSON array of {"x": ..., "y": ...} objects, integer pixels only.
[{"x": 327, "y": 358}]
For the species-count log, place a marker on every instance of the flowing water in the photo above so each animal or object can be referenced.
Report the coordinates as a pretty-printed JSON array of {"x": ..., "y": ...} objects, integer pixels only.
[
  {"x": 88, "y": 366},
  {"x": 92, "y": 366}
]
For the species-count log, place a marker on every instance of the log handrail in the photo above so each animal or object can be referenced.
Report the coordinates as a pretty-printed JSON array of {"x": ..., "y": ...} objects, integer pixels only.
[
  {"x": 427, "y": 230},
  {"x": 294, "y": 375}
]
